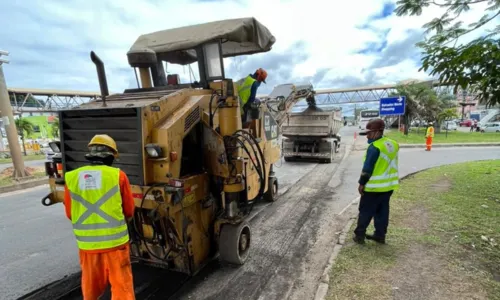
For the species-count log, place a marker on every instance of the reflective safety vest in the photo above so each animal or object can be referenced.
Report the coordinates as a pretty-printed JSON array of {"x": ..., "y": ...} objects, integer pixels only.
[
  {"x": 245, "y": 90},
  {"x": 96, "y": 207},
  {"x": 430, "y": 132},
  {"x": 385, "y": 175}
]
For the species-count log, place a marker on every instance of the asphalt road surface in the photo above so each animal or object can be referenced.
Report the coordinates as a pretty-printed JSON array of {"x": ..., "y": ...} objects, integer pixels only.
[{"x": 291, "y": 244}]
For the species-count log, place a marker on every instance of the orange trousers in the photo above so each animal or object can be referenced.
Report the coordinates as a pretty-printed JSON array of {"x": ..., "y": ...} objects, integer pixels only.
[
  {"x": 100, "y": 268},
  {"x": 428, "y": 143}
]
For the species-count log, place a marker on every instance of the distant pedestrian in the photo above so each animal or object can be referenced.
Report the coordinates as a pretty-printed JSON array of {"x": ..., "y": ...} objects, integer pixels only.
[
  {"x": 429, "y": 136},
  {"x": 379, "y": 178}
]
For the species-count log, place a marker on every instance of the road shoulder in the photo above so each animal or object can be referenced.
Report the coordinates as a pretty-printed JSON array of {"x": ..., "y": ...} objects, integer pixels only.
[{"x": 441, "y": 245}]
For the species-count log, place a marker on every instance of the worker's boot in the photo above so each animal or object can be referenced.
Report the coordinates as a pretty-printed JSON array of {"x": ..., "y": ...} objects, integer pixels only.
[
  {"x": 380, "y": 240},
  {"x": 359, "y": 239}
]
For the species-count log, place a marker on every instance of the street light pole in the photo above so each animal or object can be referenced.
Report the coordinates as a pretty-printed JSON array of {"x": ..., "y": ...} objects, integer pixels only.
[{"x": 10, "y": 124}]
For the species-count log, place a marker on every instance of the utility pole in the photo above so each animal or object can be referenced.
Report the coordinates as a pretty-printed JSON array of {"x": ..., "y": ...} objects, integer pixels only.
[{"x": 9, "y": 124}]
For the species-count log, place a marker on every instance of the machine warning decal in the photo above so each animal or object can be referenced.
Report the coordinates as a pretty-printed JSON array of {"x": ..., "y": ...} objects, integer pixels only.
[{"x": 270, "y": 126}]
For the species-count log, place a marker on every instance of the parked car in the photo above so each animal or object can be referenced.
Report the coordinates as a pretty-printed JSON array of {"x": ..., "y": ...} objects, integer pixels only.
[
  {"x": 491, "y": 127},
  {"x": 450, "y": 125},
  {"x": 466, "y": 123},
  {"x": 48, "y": 153}
]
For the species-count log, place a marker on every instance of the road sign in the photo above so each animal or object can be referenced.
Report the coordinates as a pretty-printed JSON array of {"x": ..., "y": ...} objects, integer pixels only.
[{"x": 392, "y": 106}]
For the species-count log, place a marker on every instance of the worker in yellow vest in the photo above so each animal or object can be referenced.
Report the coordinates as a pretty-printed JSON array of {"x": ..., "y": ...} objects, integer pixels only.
[
  {"x": 379, "y": 178},
  {"x": 98, "y": 200},
  {"x": 247, "y": 91},
  {"x": 429, "y": 136}
]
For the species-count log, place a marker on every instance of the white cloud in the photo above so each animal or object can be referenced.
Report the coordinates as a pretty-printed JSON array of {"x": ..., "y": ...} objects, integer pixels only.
[{"x": 51, "y": 40}]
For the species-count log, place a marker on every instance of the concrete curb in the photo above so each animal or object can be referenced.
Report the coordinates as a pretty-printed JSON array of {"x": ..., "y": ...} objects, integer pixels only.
[
  {"x": 450, "y": 145},
  {"x": 23, "y": 185},
  {"x": 323, "y": 286}
]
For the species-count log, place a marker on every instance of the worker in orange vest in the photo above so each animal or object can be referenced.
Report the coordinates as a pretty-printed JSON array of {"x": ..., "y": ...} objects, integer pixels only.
[
  {"x": 429, "y": 135},
  {"x": 98, "y": 200}
]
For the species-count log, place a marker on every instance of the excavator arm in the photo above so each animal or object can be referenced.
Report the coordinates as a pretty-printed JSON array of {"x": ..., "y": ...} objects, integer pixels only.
[{"x": 284, "y": 96}]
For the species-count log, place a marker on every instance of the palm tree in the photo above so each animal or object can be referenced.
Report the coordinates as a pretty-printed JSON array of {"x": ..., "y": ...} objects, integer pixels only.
[{"x": 23, "y": 126}]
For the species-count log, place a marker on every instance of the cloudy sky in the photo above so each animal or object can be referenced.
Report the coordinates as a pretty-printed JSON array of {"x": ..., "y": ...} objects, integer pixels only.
[{"x": 331, "y": 44}]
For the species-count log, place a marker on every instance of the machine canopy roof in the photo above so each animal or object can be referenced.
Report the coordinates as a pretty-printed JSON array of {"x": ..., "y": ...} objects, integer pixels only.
[{"x": 238, "y": 36}]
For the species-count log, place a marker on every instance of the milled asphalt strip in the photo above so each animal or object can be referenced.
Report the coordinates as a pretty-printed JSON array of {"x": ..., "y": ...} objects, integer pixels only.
[{"x": 261, "y": 206}]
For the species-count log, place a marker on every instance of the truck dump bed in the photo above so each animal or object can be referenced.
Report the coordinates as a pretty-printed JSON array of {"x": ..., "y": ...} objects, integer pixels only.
[{"x": 312, "y": 122}]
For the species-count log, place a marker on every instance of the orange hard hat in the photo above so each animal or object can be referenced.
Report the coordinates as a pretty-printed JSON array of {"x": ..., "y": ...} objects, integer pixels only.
[{"x": 261, "y": 75}]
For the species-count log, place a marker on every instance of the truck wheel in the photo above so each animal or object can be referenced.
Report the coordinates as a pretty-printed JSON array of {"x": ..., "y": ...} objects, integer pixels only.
[
  {"x": 272, "y": 190},
  {"x": 234, "y": 243},
  {"x": 288, "y": 159}
]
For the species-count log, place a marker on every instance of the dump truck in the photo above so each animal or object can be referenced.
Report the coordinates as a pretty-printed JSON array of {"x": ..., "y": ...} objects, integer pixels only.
[
  {"x": 196, "y": 174},
  {"x": 312, "y": 133}
]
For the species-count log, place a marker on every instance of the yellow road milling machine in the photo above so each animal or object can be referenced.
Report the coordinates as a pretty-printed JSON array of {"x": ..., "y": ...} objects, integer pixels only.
[{"x": 195, "y": 172}]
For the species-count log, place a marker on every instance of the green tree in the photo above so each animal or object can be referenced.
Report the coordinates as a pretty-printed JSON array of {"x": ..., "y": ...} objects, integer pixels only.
[
  {"x": 24, "y": 126},
  {"x": 29, "y": 102},
  {"x": 474, "y": 65},
  {"x": 447, "y": 115},
  {"x": 423, "y": 103},
  {"x": 55, "y": 128},
  {"x": 415, "y": 97}
]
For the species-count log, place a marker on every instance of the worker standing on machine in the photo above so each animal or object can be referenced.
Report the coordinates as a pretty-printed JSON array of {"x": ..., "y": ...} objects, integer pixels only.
[
  {"x": 429, "y": 136},
  {"x": 247, "y": 90},
  {"x": 379, "y": 178},
  {"x": 98, "y": 200}
]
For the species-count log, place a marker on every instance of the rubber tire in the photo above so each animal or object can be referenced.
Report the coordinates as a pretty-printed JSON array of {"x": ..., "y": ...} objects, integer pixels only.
[
  {"x": 272, "y": 190},
  {"x": 288, "y": 159},
  {"x": 229, "y": 243}
]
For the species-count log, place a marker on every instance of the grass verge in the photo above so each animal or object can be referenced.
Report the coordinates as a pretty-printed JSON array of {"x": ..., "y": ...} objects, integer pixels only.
[
  {"x": 25, "y": 158},
  {"x": 6, "y": 176},
  {"x": 440, "y": 138},
  {"x": 443, "y": 241}
]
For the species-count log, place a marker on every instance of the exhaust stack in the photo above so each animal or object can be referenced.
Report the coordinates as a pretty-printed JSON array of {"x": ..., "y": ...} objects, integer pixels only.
[{"x": 101, "y": 74}]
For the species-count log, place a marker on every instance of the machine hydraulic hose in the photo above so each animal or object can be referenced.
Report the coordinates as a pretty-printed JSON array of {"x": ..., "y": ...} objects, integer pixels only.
[
  {"x": 260, "y": 167},
  {"x": 262, "y": 162},
  {"x": 142, "y": 237}
]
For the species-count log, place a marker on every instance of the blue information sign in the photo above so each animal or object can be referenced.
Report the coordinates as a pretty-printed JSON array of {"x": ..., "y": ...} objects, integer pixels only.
[{"x": 392, "y": 106}]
